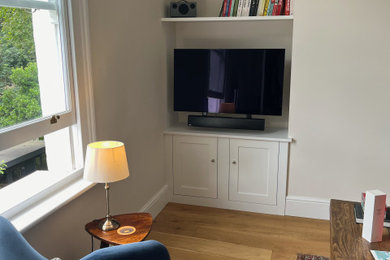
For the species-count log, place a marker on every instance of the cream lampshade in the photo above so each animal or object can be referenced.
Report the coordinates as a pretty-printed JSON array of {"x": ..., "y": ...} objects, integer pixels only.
[{"x": 106, "y": 162}]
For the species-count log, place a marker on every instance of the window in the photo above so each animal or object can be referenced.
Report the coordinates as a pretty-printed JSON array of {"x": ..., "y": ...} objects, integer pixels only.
[{"x": 40, "y": 136}]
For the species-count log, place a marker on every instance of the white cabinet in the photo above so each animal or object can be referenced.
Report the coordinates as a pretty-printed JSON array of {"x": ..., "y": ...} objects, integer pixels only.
[
  {"x": 195, "y": 166},
  {"x": 253, "y": 171},
  {"x": 228, "y": 169}
]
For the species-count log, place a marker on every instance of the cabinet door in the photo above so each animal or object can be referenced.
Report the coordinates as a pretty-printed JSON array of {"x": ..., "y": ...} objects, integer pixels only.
[
  {"x": 253, "y": 171},
  {"x": 195, "y": 166}
]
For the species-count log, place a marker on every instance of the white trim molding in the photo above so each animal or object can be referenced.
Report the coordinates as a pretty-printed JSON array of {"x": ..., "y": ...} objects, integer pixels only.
[
  {"x": 82, "y": 57},
  {"x": 307, "y": 207},
  {"x": 27, "y": 218},
  {"x": 156, "y": 204}
]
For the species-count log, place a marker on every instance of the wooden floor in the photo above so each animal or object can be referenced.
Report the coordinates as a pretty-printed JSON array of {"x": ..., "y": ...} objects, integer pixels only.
[{"x": 202, "y": 233}]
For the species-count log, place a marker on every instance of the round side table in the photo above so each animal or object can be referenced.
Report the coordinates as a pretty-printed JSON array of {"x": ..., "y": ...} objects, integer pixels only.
[{"x": 142, "y": 222}]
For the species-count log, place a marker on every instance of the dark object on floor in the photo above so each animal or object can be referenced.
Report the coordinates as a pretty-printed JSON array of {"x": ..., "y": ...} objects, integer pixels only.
[{"x": 311, "y": 257}]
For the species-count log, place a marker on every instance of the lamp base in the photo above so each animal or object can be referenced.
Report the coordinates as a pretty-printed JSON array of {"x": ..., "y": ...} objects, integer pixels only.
[{"x": 108, "y": 224}]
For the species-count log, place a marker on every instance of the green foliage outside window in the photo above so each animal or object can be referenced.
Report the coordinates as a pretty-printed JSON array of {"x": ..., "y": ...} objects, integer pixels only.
[
  {"x": 19, "y": 88},
  {"x": 3, "y": 167}
]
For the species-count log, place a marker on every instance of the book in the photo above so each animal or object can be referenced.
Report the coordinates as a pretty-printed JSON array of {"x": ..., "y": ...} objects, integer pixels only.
[
  {"x": 231, "y": 7},
  {"x": 287, "y": 7},
  {"x": 260, "y": 8},
  {"x": 279, "y": 7},
  {"x": 253, "y": 7},
  {"x": 223, "y": 8},
  {"x": 275, "y": 7},
  {"x": 291, "y": 7},
  {"x": 235, "y": 7},
  {"x": 228, "y": 8},
  {"x": 239, "y": 8},
  {"x": 271, "y": 7},
  {"x": 380, "y": 255},
  {"x": 266, "y": 7},
  {"x": 246, "y": 7},
  {"x": 359, "y": 215},
  {"x": 243, "y": 7}
]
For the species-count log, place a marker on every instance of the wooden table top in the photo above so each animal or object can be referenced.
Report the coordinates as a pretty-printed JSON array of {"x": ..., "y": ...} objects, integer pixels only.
[
  {"x": 141, "y": 221},
  {"x": 346, "y": 240}
]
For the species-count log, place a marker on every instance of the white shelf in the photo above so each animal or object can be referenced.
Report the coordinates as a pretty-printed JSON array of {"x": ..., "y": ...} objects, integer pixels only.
[
  {"x": 229, "y": 19},
  {"x": 269, "y": 134}
]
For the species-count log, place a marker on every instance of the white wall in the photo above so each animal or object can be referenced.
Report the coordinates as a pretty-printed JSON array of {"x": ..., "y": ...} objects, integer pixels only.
[
  {"x": 339, "y": 106},
  {"x": 129, "y": 76},
  {"x": 128, "y": 58}
]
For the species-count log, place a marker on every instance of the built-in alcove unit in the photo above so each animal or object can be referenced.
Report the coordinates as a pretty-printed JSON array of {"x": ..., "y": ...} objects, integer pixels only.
[{"x": 225, "y": 168}]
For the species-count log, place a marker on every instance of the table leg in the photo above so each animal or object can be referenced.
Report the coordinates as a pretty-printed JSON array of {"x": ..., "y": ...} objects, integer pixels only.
[{"x": 103, "y": 244}]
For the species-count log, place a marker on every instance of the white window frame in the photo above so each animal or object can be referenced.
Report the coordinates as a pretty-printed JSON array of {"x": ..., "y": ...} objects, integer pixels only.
[
  {"x": 23, "y": 132},
  {"x": 60, "y": 191}
]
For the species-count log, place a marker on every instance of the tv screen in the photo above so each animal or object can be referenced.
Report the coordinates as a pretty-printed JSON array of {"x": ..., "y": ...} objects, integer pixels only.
[{"x": 234, "y": 81}]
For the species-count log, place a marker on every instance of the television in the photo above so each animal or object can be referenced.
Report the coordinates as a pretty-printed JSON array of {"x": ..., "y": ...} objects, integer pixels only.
[{"x": 232, "y": 81}]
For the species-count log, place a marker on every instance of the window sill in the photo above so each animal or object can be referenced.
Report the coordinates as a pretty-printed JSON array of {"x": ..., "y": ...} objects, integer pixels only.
[{"x": 26, "y": 218}]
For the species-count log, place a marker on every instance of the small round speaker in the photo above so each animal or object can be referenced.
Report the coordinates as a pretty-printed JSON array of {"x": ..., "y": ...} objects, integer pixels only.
[{"x": 183, "y": 9}]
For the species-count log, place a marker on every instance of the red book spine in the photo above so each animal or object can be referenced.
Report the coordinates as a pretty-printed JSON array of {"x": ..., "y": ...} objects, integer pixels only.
[
  {"x": 287, "y": 7},
  {"x": 224, "y": 8},
  {"x": 230, "y": 8},
  {"x": 280, "y": 7},
  {"x": 274, "y": 10}
]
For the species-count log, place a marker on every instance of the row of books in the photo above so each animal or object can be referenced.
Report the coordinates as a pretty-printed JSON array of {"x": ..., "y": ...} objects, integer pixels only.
[{"x": 255, "y": 7}]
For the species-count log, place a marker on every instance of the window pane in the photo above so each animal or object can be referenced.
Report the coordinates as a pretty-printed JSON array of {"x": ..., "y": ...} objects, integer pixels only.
[
  {"x": 52, "y": 153},
  {"x": 31, "y": 72},
  {"x": 22, "y": 160}
]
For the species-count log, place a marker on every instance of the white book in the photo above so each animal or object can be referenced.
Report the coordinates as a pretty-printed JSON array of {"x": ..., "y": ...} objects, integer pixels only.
[
  {"x": 374, "y": 210},
  {"x": 240, "y": 7},
  {"x": 247, "y": 8},
  {"x": 292, "y": 7}
]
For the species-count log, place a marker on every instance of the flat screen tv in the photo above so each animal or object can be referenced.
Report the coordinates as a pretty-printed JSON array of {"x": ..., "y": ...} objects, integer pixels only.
[{"x": 233, "y": 81}]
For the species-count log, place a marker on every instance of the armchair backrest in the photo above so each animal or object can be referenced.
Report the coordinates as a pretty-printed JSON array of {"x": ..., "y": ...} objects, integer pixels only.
[{"x": 13, "y": 246}]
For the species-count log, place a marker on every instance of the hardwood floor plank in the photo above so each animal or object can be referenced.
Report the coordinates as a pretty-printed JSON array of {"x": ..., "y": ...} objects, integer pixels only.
[
  {"x": 282, "y": 235},
  {"x": 212, "y": 247},
  {"x": 183, "y": 254}
]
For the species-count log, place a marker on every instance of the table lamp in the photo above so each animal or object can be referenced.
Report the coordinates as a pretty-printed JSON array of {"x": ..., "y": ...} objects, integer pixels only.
[{"x": 106, "y": 162}]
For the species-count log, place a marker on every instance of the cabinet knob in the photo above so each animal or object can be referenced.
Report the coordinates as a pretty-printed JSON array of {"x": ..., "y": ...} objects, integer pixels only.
[
  {"x": 212, "y": 160},
  {"x": 234, "y": 162}
]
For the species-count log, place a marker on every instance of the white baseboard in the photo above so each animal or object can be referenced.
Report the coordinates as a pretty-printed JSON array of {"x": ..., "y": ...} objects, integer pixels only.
[
  {"x": 157, "y": 202},
  {"x": 297, "y": 206},
  {"x": 307, "y": 207}
]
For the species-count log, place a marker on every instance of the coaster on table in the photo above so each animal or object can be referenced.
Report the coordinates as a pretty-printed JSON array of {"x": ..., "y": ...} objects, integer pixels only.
[{"x": 126, "y": 230}]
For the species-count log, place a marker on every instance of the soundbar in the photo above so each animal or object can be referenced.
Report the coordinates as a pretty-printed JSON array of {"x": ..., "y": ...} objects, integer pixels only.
[{"x": 226, "y": 122}]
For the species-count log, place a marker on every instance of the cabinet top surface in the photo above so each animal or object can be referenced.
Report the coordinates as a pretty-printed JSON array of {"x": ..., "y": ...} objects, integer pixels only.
[{"x": 269, "y": 134}]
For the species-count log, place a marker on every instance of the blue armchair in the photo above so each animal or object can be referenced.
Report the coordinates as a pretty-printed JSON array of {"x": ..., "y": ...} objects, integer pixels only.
[{"x": 13, "y": 246}]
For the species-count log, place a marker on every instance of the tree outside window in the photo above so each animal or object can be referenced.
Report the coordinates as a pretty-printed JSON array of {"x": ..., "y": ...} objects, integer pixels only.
[{"x": 19, "y": 88}]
